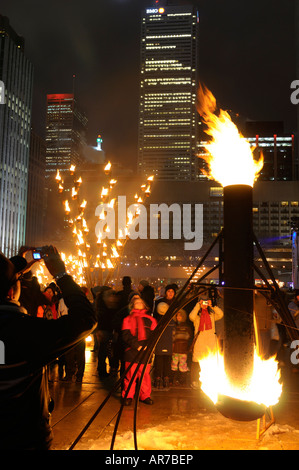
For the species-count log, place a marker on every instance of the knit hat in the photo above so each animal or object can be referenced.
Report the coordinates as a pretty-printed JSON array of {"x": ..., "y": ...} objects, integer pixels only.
[
  {"x": 171, "y": 286},
  {"x": 9, "y": 268},
  {"x": 19, "y": 263},
  {"x": 183, "y": 313},
  {"x": 131, "y": 297},
  {"x": 162, "y": 308},
  {"x": 132, "y": 294}
]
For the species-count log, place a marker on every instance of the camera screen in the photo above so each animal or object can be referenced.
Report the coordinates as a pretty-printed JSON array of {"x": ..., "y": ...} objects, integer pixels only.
[{"x": 36, "y": 255}]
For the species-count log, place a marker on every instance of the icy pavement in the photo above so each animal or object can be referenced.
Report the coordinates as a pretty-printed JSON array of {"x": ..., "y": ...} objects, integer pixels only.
[{"x": 206, "y": 431}]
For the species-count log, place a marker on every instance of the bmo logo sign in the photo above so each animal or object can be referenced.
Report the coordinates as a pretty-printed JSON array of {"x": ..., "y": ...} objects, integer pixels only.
[{"x": 152, "y": 11}]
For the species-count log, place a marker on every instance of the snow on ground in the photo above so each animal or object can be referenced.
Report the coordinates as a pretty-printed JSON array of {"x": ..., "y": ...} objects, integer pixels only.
[{"x": 209, "y": 431}]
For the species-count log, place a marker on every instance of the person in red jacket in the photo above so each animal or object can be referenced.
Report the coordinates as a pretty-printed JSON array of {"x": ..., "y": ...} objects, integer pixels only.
[{"x": 137, "y": 328}]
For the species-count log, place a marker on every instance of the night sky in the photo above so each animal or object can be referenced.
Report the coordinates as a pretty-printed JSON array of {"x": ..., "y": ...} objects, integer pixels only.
[{"x": 247, "y": 59}]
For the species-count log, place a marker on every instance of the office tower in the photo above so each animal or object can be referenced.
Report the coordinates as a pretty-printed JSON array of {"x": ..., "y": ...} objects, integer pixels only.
[
  {"x": 168, "y": 120},
  {"x": 16, "y": 73},
  {"x": 65, "y": 132},
  {"x": 36, "y": 191},
  {"x": 278, "y": 149}
]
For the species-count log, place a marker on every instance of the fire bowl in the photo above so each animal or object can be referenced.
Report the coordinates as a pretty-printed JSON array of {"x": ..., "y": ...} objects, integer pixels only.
[{"x": 239, "y": 410}]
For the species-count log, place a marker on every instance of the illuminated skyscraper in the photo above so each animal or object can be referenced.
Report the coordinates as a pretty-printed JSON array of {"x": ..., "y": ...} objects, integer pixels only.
[
  {"x": 36, "y": 191},
  {"x": 65, "y": 132},
  {"x": 278, "y": 150},
  {"x": 16, "y": 73},
  {"x": 168, "y": 121}
]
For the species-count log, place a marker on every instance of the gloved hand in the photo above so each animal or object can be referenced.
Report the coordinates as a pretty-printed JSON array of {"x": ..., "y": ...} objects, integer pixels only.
[{"x": 53, "y": 261}]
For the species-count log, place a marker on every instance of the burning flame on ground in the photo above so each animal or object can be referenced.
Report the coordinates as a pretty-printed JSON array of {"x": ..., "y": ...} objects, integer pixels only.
[
  {"x": 264, "y": 389},
  {"x": 230, "y": 157}
]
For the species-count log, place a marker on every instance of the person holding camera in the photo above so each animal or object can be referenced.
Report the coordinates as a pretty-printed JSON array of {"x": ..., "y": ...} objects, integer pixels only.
[
  {"x": 30, "y": 344},
  {"x": 203, "y": 316}
]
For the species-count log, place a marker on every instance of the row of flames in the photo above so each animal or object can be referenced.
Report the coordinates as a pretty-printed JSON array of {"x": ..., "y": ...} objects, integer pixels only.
[{"x": 108, "y": 254}]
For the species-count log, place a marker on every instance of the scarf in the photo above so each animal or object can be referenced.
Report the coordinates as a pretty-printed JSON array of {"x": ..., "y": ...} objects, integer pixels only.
[
  {"x": 205, "y": 320},
  {"x": 137, "y": 325}
]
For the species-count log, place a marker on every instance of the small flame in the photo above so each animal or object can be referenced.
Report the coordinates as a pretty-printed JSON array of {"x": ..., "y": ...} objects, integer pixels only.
[
  {"x": 67, "y": 207},
  {"x": 84, "y": 225},
  {"x": 99, "y": 240},
  {"x": 107, "y": 167},
  {"x": 104, "y": 192},
  {"x": 230, "y": 157},
  {"x": 111, "y": 203},
  {"x": 72, "y": 169},
  {"x": 80, "y": 238},
  {"x": 112, "y": 182},
  {"x": 114, "y": 252},
  {"x": 74, "y": 193},
  {"x": 109, "y": 264}
]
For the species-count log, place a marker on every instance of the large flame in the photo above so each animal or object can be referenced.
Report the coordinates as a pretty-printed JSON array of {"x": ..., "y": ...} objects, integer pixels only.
[
  {"x": 231, "y": 162},
  {"x": 264, "y": 387},
  {"x": 229, "y": 157}
]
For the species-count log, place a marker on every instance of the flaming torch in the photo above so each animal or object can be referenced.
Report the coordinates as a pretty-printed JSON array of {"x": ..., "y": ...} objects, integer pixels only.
[{"x": 245, "y": 378}]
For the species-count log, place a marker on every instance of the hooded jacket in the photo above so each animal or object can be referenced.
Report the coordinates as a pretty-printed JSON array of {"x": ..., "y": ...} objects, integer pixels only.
[{"x": 30, "y": 344}]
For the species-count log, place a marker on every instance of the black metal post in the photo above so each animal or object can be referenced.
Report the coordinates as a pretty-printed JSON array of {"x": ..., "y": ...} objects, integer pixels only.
[{"x": 239, "y": 284}]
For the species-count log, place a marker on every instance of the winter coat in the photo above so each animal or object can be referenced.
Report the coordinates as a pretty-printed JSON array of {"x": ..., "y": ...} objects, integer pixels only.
[
  {"x": 30, "y": 344},
  {"x": 181, "y": 336},
  {"x": 206, "y": 340},
  {"x": 137, "y": 328},
  {"x": 106, "y": 313},
  {"x": 47, "y": 311},
  {"x": 164, "y": 345}
]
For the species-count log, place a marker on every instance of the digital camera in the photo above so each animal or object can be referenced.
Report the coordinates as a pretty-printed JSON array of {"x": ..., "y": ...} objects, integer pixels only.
[{"x": 38, "y": 253}]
